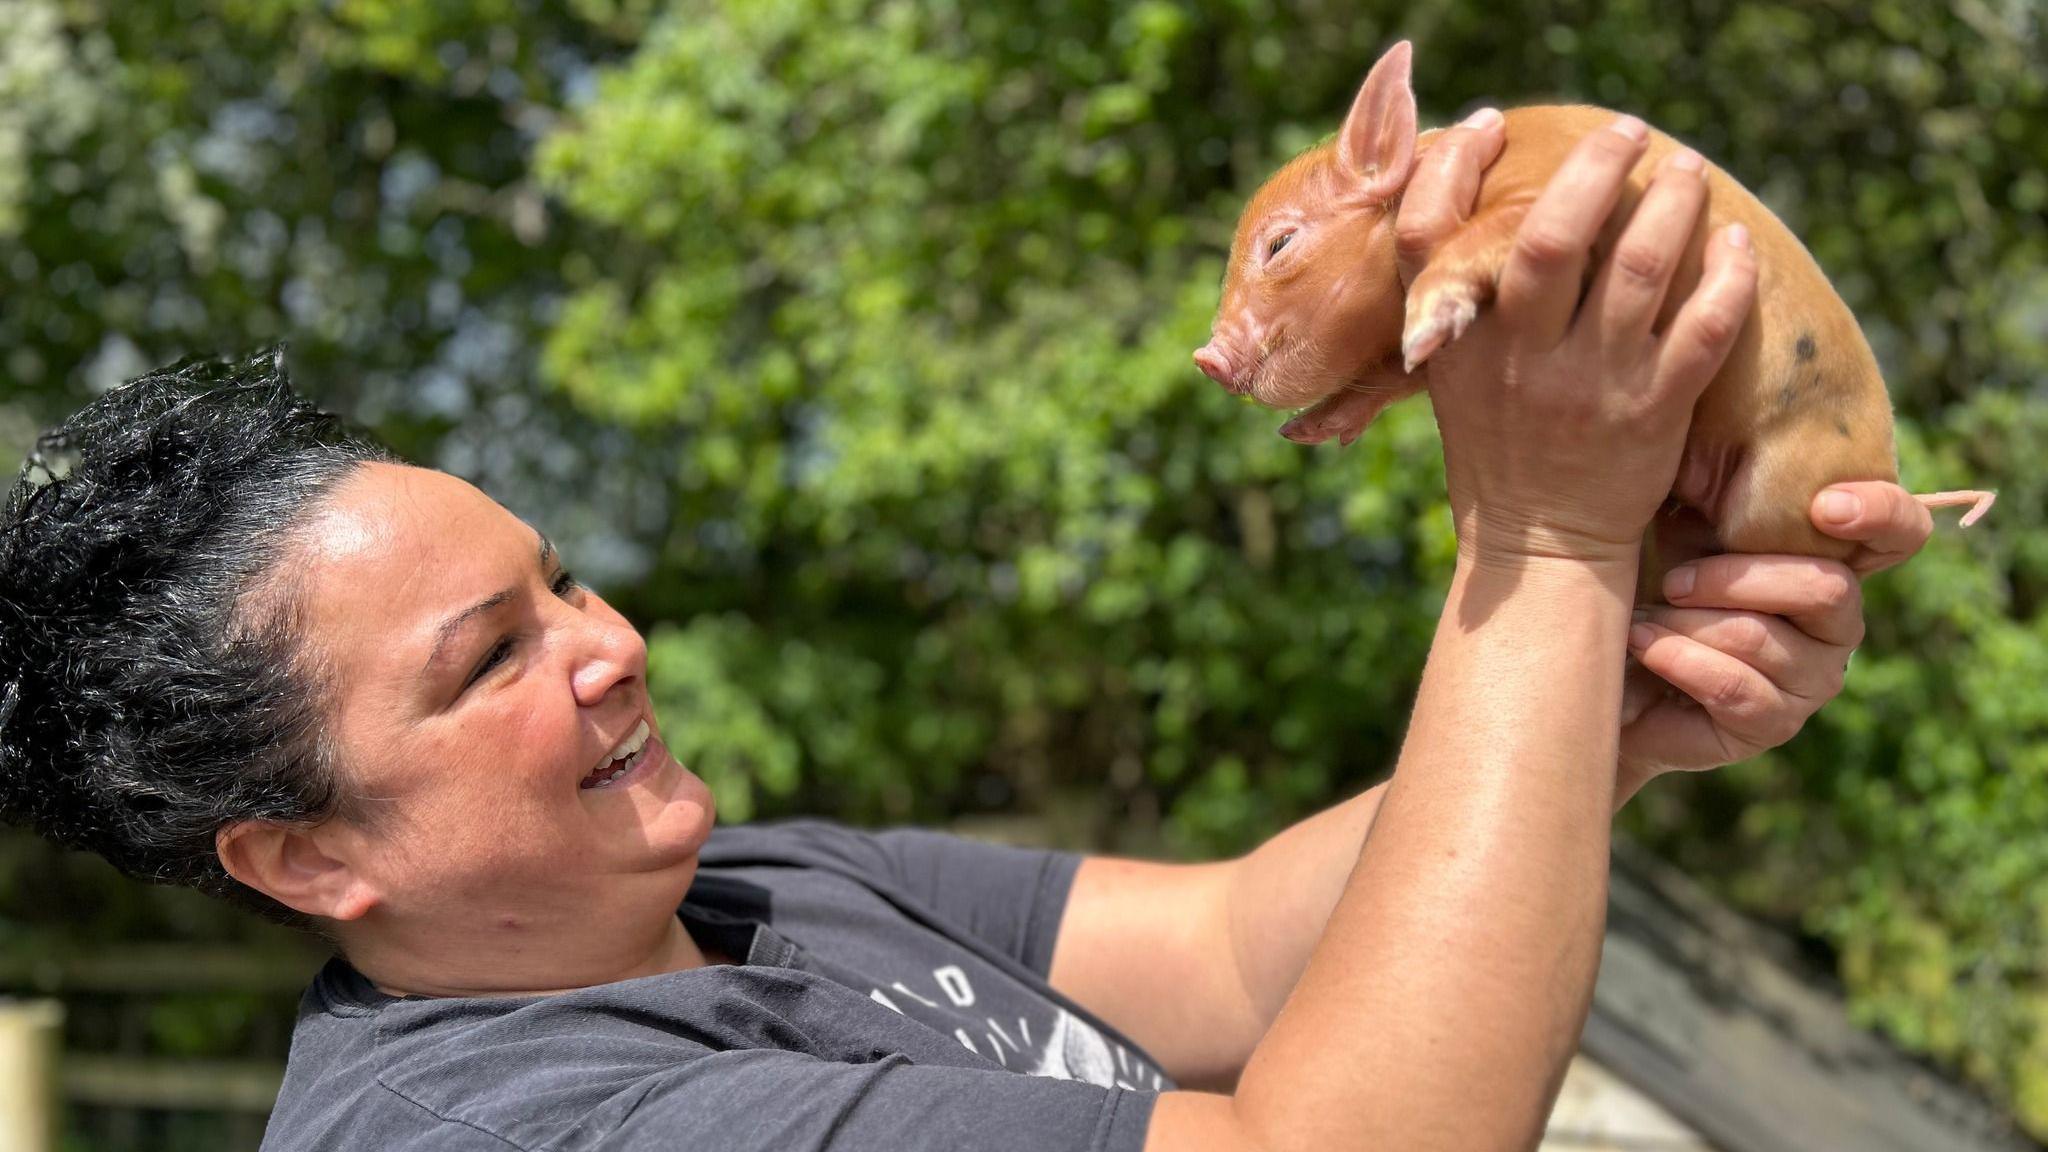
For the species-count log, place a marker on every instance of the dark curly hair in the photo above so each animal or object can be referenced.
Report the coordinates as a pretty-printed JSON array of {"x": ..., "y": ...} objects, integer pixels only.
[{"x": 152, "y": 689}]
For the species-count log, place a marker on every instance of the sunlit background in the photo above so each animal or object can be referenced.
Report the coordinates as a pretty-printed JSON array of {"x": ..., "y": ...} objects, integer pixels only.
[{"x": 844, "y": 346}]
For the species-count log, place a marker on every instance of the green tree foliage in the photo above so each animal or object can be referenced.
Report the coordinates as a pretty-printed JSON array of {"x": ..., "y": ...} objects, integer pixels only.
[{"x": 851, "y": 339}]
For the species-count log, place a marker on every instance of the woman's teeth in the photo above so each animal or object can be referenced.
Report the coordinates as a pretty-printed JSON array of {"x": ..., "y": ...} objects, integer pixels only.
[{"x": 624, "y": 758}]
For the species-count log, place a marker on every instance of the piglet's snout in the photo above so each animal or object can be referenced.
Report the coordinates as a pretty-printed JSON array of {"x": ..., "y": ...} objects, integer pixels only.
[{"x": 1218, "y": 364}]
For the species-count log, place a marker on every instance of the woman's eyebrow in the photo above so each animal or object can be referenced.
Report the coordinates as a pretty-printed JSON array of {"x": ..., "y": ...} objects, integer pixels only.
[{"x": 453, "y": 625}]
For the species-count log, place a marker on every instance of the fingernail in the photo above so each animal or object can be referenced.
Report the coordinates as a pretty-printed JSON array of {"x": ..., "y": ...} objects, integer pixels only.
[
  {"x": 1639, "y": 637},
  {"x": 1631, "y": 127},
  {"x": 1738, "y": 237},
  {"x": 1687, "y": 160},
  {"x": 1678, "y": 582},
  {"x": 1484, "y": 118},
  {"x": 1840, "y": 507},
  {"x": 1639, "y": 615}
]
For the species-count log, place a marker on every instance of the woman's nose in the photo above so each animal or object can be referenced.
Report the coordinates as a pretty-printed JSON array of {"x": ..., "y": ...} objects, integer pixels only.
[{"x": 611, "y": 652}]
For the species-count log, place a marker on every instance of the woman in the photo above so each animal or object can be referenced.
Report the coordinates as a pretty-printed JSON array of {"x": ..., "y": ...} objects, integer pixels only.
[{"x": 244, "y": 651}]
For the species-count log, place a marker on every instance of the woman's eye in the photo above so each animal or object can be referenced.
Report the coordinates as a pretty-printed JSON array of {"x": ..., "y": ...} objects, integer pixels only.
[
  {"x": 1278, "y": 243},
  {"x": 492, "y": 659},
  {"x": 562, "y": 585}
]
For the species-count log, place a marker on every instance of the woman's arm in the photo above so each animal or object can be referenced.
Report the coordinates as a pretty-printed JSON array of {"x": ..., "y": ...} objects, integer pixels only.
[
  {"x": 1450, "y": 984},
  {"x": 1756, "y": 648}
]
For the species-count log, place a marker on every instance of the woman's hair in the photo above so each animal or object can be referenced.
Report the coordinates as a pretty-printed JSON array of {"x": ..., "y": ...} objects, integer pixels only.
[{"x": 152, "y": 686}]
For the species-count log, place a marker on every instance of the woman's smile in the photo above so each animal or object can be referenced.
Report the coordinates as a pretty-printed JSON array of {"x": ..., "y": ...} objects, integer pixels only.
[
  {"x": 623, "y": 757},
  {"x": 652, "y": 757}
]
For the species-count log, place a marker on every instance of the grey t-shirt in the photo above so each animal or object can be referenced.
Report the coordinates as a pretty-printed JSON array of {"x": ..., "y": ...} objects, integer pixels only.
[{"x": 892, "y": 999}]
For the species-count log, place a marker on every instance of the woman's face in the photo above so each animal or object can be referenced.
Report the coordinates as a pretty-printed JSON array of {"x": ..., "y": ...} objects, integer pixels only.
[{"x": 479, "y": 696}]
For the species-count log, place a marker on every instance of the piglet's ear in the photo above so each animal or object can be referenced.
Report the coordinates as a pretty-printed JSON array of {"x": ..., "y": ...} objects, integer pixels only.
[{"x": 1377, "y": 143}]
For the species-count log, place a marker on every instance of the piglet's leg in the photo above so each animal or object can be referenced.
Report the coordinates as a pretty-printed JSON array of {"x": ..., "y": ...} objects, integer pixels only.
[
  {"x": 1459, "y": 280},
  {"x": 1346, "y": 414}
]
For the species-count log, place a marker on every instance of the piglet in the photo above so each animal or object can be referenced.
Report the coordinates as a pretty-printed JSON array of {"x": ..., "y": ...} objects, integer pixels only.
[{"x": 1314, "y": 314}]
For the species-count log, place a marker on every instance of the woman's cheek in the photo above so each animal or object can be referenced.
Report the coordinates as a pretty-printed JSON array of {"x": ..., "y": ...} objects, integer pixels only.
[{"x": 529, "y": 735}]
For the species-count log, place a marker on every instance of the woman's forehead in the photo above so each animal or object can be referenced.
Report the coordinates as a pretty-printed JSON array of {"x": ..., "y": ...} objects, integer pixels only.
[
  {"x": 396, "y": 547},
  {"x": 384, "y": 512}
]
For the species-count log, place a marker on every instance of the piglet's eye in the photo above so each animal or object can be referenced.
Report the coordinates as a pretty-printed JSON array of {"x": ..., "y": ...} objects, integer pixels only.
[{"x": 1278, "y": 243}]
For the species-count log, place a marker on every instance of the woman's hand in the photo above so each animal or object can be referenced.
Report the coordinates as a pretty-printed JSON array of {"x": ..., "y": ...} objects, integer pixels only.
[
  {"x": 1754, "y": 645},
  {"x": 1563, "y": 422}
]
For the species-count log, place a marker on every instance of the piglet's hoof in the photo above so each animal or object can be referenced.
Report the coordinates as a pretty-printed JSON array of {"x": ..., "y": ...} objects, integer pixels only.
[
  {"x": 1437, "y": 315},
  {"x": 1344, "y": 415}
]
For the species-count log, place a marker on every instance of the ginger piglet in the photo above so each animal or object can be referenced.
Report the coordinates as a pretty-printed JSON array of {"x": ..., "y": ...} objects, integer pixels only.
[{"x": 1314, "y": 313}]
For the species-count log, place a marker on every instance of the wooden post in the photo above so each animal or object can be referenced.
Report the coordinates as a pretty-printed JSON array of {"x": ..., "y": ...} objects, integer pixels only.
[{"x": 30, "y": 1032}]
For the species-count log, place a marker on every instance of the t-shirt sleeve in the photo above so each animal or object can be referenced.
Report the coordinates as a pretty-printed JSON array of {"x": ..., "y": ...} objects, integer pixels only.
[
  {"x": 770, "y": 1101},
  {"x": 1011, "y": 898}
]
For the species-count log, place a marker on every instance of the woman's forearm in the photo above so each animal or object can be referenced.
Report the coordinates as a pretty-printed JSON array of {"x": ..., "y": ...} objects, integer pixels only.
[
  {"x": 1281, "y": 897},
  {"x": 1462, "y": 948},
  {"x": 1283, "y": 892}
]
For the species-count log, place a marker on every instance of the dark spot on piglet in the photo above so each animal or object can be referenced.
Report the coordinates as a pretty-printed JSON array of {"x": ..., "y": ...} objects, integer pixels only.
[
  {"x": 1787, "y": 396},
  {"x": 1806, "y": 348},
  {"x": 1842, "y": 428}
]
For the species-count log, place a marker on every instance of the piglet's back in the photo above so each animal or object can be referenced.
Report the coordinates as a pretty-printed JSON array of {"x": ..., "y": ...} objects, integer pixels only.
[{"x": 1799, "y": 405}]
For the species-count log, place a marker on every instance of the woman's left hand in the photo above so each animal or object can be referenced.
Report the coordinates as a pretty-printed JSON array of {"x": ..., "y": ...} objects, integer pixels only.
[{"x": 1756, "y": 644}]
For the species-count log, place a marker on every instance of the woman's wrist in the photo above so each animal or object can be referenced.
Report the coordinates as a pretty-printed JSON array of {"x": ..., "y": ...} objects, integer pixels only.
[
  {"x": 1607, "y": 583},
  {"x": 1498, "y": 542},
  {"x": 1530, "y": 654}
]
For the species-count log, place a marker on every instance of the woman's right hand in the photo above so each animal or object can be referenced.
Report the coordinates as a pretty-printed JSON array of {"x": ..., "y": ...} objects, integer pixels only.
[{"x": 1563, "y": 422}]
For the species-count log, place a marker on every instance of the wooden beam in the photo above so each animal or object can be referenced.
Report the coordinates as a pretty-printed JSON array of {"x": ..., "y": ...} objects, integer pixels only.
[
  {"x": 1720, "y": 1021},
  {"x": 149, "y": 969},
  {"x": 181, "y": 1085},
  {"x": 31, "y": 1033}
]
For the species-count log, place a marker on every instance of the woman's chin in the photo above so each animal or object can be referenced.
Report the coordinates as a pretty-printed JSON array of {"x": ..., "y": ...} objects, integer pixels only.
[{"x": 677, "y": 809}]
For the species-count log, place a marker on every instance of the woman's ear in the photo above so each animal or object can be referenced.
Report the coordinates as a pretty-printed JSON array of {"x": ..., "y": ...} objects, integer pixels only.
[
  {"x": 295, "y": 866},
  {"x": 1376, "y": 146}
]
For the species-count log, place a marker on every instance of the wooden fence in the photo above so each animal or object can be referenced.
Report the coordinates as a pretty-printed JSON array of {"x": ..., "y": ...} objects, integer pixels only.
[
  {"x": 30, "y": 1034},
  {"x": 110, "y": 1090}
]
